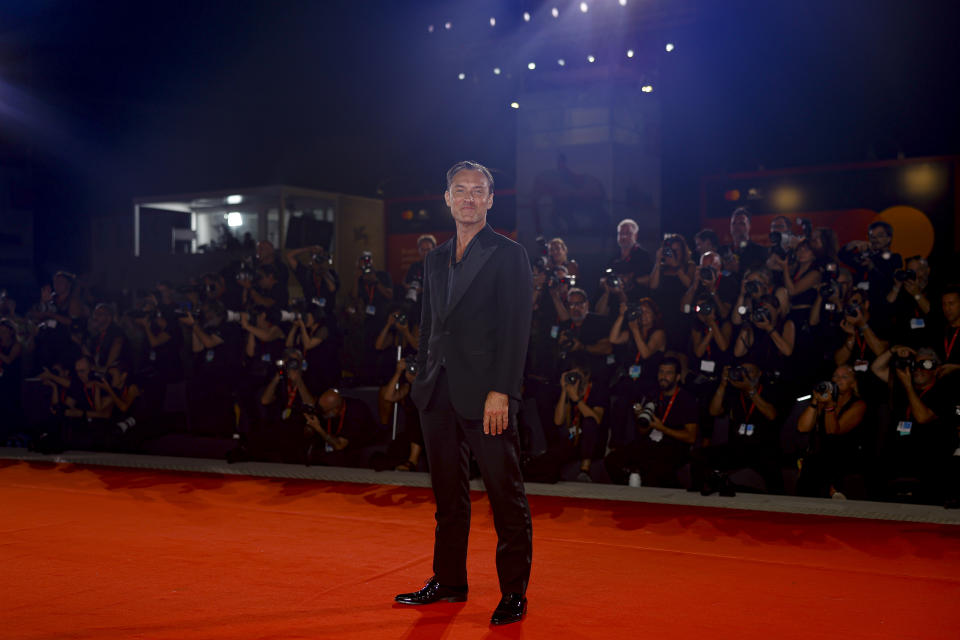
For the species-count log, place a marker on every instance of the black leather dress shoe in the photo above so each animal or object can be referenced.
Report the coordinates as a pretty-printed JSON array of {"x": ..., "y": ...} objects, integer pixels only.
[
  {"x": 512, "y": 608},
  {"x": 432, "y": 592}
]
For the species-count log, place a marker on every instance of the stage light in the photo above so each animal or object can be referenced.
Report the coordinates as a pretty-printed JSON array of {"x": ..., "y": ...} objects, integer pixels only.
[
  {"x": 526, "y": 16},
  {"x": 514, "y": 105},
  {"x": 669, "y": 47},
  {"x": 531, "y": 65},
  {"x": 555, "y": 12},
  {"x": 234, "y": 219},
  {"x": 462, "y": 76},
  {"x": 493, "y": 22},
  {"x": 235, "y": 199},
  {"x": 623, "y": 3},
  {"x": 496, "y": 71},
  {"x": 647, "y": 88},
  {"x": 591, "y": 59},
  {"x": 584, "y": 7},
  {"x": 629, "y": 53},
  {"x": 561, "y": 62},
  {"x": 430, "y": 28},
  {"x": 448, "y": 25}
]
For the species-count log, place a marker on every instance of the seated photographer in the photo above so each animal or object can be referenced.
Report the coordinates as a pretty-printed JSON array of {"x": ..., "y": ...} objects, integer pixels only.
[
  {"x": 832, "y": 418},
  {"x": 585, "y": 333},
  {"x": 409, "y": 442},
  {"x": 861, "y": 344},
  {"x": 917, "y": 444},
  {"x": 85, "y": 408},
  {"x": 318, "y": 279},
  {"x": 666, "y": 429},
  {"x": 558, "y": 257},
  {"x": 709, "y": 281},
  {"x": 311, "y": 334},
  {"x": 909, "y": 300},
  {"x": 673, "y": 273},
  {"x": 950, "y": 305},
  {"x": 755, "y": 284},
  {"x": 269, "y": 291},
  {"x": 341, "y": 428},
  {"x": 753, "y": 438},
  {"x": 768, "y": 338}
]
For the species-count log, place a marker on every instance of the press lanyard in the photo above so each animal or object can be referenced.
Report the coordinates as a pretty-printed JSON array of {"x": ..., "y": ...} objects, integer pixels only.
[
  {"x": 753, "y": 404},
  {"x": 576, "y": 408},
  {"x": 663, "y": 418},
  {"x": 948, "y": 348},
  {"x": 370, "y": 292},
  {"x": 291, "y": 394},
  {"x": 922, "y": 393},
  {"x": 343, "y": 412}
]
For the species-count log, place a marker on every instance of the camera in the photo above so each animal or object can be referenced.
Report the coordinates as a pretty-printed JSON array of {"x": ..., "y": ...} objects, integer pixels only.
[
  {"x": 366, "y": 259},
  {"x": 707, "y": 273},
  {"x": 411, "y": 365},
  {"x": 401, "y": 318},
  {"x": 414, "y": 290},
  {"x": 613, "y": 279},
  {"x": 704, "y": 308},
  {"x": 737, "y": 374},
  {"x": 828, "y": 290},
  {"x": 903, "y": 362},
  {"x": 902, "y": 275},
  {"x": 851, "y": 310},
  {"x": 292, "y": 364},
  {"x": 633, "y": 312},
  {"x": 366, "y": 270},
  {"x": 826, "y": 388},
  {"x": 760, "y": 314},
  {"x": 752, "y": 288},
  {"x": 668, "y": 252},
  {"x": 573, "y": 378},
  {"x": 776, "y": 246},
  {"x": 566, "y": 338},
  {"x": 97, "y": 375},
  {"x": 644, "y": 411}
]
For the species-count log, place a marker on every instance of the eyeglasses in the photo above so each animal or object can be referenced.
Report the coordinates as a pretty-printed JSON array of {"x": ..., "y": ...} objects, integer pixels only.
[{"x": 574, "y": 303}]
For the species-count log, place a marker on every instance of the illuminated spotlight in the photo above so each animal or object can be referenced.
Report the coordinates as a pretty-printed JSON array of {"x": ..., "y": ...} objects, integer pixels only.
[
  {"x": 561, "y": 62},
  {"x": 234, "y": 219},
  {"x": 647, "y": 88},
  {"x": 493, "y": 22},
  {"x": 669, "y": 47},
  {"x": 526, "y": 16},
  {"x": 623, "y": 3},
  {"x": 514, "y": 105},
  {"x": 462, "y": 76},
  {"x": 496, "y": 71},
  {"x": 591, "y": 59},
  {"x": 555, "y": 12},
  {"x": 234, "y": 199},
  {"x": 531, "y": 65},
  {"x": 584, "y": 7},
  {"x": 430, "y": 29},
  {"x": 448, "y": 25},
  {"x": 629, "y": 53}
]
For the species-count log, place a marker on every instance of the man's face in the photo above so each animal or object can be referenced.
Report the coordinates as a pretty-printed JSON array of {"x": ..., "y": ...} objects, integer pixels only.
[
  {"x": 469, "y": 197},
  {"x": 61, "y": 284},
  {"x": 780, "y": 225},
  {"x": 266, "y": 282},
  {"x": 950, "y": 302},
  {"x": 703, "y": 245},
  {"x": 558, "y": 253},
  {"x": 101, "y": 318},
  {"x": 710, "y": 259},
  {"x": 331, "y": 406},
  {"x": 923, "y": 377},
  {"x": 578, "y": 307},
  {"x": 82, "y": 367},
  {"x": 667, "y": 377},
  {"x": 879, "y": 239},
  {"x": 740, "y": 227},
  {"x": 920, "y": 268},
  {"x": 265, "y": 251},
  {"x": 424, "y": 248},
  {"x": 626, "y": 235}
]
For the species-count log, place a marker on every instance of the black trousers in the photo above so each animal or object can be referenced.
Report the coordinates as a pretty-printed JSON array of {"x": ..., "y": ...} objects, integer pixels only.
[{"x": 448, "y": 439}]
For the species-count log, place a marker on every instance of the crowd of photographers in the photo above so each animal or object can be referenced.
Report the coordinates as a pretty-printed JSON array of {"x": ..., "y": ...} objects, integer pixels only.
[{"x": 796, "y": 366}]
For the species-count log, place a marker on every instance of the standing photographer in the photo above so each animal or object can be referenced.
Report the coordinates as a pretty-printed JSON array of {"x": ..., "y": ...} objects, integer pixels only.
[
  {"x": 312, "y": 334},
  {"x": 768, "y": 338},
  {"x": 673, "y": 273},
  {"x": 832, "y": 419},
  {"x": 909, "y": 300},
  {"x": 318, "y": 279},
  {"x": 861, "y": 343},
  {"x": 217, "y": 347}
]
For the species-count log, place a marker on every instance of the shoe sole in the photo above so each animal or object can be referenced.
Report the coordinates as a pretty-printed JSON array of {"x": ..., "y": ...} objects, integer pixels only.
[{"x": 447, "y": 599}]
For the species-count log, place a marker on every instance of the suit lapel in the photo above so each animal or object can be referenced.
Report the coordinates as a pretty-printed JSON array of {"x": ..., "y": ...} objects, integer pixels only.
[
  {"x": 469, "y": 270},
  {"x": 439, "y": 266}
]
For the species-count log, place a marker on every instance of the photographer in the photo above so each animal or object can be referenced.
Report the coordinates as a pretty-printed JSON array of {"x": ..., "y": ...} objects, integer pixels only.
[
  {"x": 666, "y": 429},
  {"x": 825, "y": 245},
  {"x": 706, "y": 241},
  {"x": 950, "y": 305},
  {"x": 832, "y": 419},
  {"x": 750, "y": 255},
  {"x": 107, "y": 344},
  {"x": 10, "y": 380},
  {"x": 909, "y": 301},
  {"x": 318, "y": 279},
  {"x": 217, "y": 348},
  {"x": 753, "y": 437},
  {"x": 631, "y": 261},
  {"x": 373, "y": 298},
  {"x": 646, "y": 341},
  {"x": 311, "y": 334},
  {"x": 266, "y": 256},
  {"x": 768, "y": 338},
  {"x": 269, "y": 291},
  {"x": 673, "y": 273},
  {"x": 413, "y": 280},
  {"x": 398, "y": 331},
  {"x": 916, "y": 445},
  {"x": 163, "y": 340},
  {"x": 755, "y": 284},
  {"x": 85, "y": 408},
  {"x": 861, "y": 343},
  {"x": 709, "y": 281},
  {"x": 585, "y": 333},
  {"x": 558, "y": 257},
  {"x": 710, "y": 337},
  {"x": 578, "y": 434},
  {"x": 873, "y": 263},
  {"x": 265, "y": 339},
  {"x": 800, "y": 279},
  {"x": 397, "y": 390},
  {"x": 342, "y": 427}
]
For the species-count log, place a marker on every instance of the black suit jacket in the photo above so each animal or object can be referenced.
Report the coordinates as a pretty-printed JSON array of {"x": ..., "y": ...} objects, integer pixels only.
[{"x": 481, "y": 336}]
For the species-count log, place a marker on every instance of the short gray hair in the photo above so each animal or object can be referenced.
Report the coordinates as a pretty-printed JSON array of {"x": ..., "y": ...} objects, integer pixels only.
[{"x": 469, "y": 165}]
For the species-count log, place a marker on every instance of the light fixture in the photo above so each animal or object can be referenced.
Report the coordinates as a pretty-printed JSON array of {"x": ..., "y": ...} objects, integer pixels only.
[
  {"x": 629, "y": 53},
  {"x": 496, "y": 71},
  {"x": 555, "y": 12},
  {"x": 448, "y": 25},
  {"x": 493, "y": 22},
  {"x": 647, "y": 88},
  {"x": 526, "y": 16},
  {"x": 514, "y": 105},
  {"x": 234, "y": 199},
  {"x": 234, "y": 219},
  {"x": 584, "y": 7},
  {"x": 461, "y": 76},
  {"x": 531, "y": 65},
  {"x": 561, "y": 62},
  {"x": 591, "y": 59},
  {"x": 623, "y": 3},
  {"x": 669, "y": 47},
  {"x": 430, "y": 28}
]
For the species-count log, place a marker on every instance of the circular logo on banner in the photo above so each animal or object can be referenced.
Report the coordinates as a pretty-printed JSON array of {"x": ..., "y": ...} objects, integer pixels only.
[{"x": 912, "y": 230}]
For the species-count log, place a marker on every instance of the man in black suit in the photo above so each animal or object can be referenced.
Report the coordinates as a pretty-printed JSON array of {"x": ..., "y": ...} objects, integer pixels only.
[{"x": 477, "y": 294}]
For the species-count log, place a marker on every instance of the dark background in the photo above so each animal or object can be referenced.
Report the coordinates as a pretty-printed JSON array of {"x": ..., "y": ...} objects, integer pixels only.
[{"x": 104, "y": 101}]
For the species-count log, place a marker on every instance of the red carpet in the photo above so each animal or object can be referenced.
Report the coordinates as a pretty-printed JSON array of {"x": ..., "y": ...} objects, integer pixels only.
[{"x": 109, "y": 553}]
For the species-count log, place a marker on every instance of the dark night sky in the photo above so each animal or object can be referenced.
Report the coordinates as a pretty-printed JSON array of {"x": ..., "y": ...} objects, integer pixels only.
[{"x": 114, "y": 100}]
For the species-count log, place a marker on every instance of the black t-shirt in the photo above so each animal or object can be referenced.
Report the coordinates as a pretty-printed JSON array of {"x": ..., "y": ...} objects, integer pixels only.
[
  {"x": 675, "y": 412},
  {"x": 750, "y": 256},
  {"x": 226, "y": 357},
  {"x": 101, "y": 343},
  {"x": 314, "y": 285},
  {"x": 637, "y": 262},
  {"x": 373, "y": 303},
  {"x": 748, "y": 426},
  {"x": 593, "y": 329}
]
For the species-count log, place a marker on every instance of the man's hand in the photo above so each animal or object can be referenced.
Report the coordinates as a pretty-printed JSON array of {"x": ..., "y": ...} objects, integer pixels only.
[
  {"x": 905, "y": 377},
  {"x": 496, "y": 413},
  {"x": 656, "y": 423},
  {"x": 339, "y": 443}
]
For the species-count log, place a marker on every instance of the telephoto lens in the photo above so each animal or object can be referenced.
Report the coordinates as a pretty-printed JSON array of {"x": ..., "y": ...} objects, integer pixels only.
[
  {"x": 826, "y": 388},
  {"x": 573, "y": 378},
  {"x": 752, "y": 288},
  {"x": 644, "y": 412}
]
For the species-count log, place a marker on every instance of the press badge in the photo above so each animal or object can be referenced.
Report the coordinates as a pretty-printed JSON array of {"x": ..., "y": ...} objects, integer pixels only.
[
  {"x": 611, "y": 359},
  {"x": 656, "y": 435},
  {"x": 861, "y": 365},
  {"x": 328, "y": 448},
  {"x": 153, "y": 356},
  {"x": 286, "y": 413},
  {"x": 904, "y": 427},
  {"x": 634, "y": 371},
  {"x": 864, "y": 286},
  {"x": 554, "y": 331},
  {"x": 708, "y": 366},
  {"x": 917, "y": 323},
  {"x": 371, "y": 310},
  {"x": 745, "y": 429},
  {"x": 209, "y": 356},
  {"x": 265, "y": 357},
  {"x": 321, "y": 302}
]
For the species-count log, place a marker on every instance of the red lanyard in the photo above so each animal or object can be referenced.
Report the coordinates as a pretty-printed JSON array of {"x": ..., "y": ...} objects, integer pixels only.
[
  {"x": 576, "y": 409},
  {"x": 96, "y": 354},
  {"x": 753, "y": 404},
  {"x": 861, "y": 342},
  {"x": 370, "y": 291},
  {"x": 89, "y": 399},
  {"x": 645, "y": 337},
  {"x": 343, "y": 412},
  {"x": 948, "y": 348},
  {"x": 663, "y": 418},
  {"x": 291, "y": 394},
  {"x": 922, "y": 393}
]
